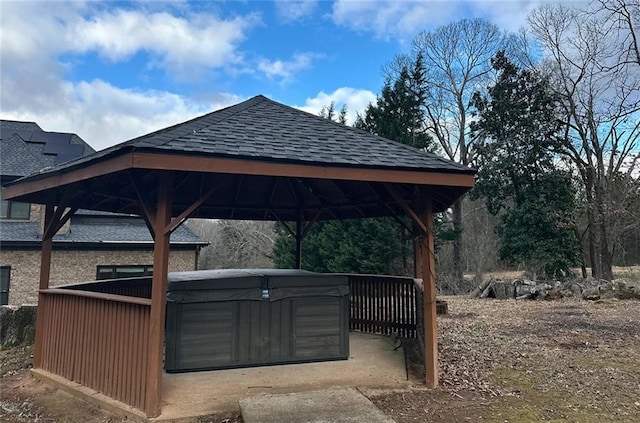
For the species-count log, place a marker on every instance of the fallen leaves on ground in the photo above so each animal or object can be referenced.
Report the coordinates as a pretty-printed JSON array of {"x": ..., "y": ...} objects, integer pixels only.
[{"x": 528, "y": 361}]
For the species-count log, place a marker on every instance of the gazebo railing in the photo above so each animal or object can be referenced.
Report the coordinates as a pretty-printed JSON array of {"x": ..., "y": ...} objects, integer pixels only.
[
  {"x": 98, "y": 340},
  {"x": 383, "y": 304}
]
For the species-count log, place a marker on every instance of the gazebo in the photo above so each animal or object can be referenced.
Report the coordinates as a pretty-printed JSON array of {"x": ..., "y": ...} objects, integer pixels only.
[{"x": 257, "y": 160}]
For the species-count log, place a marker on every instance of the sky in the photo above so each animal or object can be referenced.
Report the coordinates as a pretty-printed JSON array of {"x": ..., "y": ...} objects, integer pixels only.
[{"x": 110, "y": 71}]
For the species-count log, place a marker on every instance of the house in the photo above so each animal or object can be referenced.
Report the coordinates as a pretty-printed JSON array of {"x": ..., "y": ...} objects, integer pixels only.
[{"x": 93, "y": 244}]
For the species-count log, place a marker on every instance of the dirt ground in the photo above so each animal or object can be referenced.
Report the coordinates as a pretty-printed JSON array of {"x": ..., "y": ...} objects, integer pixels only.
[{"x": 500, "y": 361}]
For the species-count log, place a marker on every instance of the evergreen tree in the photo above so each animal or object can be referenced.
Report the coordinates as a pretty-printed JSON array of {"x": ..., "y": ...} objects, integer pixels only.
[
  {"x": 397, "y": 114},
  {"x": 518, "y": 176}
]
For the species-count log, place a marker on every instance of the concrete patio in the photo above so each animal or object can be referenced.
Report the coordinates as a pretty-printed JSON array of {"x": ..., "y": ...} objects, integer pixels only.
[{"x": 372, "y": 363}]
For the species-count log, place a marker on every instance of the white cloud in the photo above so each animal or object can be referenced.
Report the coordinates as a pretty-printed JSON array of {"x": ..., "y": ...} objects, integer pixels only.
[
  {"x": 32, "y": 75},
  {"x": 295, "y": 10},
  {"x": 286, "y": 69},
  {"x": 179, "y": 43},
  {"x": 404, "y": 19},
  {"x": 105, "y": 115},
  {"x": 387, "y": 19},
  {"x": 355, "y": 99}
]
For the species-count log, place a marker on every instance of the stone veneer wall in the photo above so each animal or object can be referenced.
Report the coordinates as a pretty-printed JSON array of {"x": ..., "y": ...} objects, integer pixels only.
[{"x": 70, "y": 266}]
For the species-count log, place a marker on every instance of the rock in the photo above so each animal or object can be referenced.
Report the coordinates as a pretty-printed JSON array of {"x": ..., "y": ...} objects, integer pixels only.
[
  {"x": 522, "y": 290},
  {"x": 554, "y": 294},
  {"x": 591, "y": 295},
  {"x": 17, "y": 325},
  {"x": 576, "y": 288},
  {"x": 626, "y": 290},
  {"x": 542, "y": 295}
]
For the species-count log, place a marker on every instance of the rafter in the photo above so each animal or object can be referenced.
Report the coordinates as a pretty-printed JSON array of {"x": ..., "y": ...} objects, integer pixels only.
[
  {"x": 144, "y": 209},
  {"x": 177, "y": 221},
  {"x": 405, "y": 206}
]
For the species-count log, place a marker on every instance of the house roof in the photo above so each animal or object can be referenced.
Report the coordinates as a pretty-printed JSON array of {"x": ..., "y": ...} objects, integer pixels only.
[
  {"x": 18, "y": 158},
  {"x": 94, "y": 234},
  {"x": 26, "y": 148},
  {"x": 256, "y": 160}
]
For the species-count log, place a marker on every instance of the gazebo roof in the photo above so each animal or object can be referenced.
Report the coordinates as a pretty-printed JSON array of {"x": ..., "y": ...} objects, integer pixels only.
[{"x": 261, "y": 160}]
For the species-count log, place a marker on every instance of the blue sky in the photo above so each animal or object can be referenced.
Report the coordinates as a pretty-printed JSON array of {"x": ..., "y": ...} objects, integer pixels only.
[{"x": 110, "y": 71}]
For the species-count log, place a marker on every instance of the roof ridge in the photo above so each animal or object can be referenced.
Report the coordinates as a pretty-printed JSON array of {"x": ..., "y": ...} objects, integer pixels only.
[{"x": 207, "y": 119}]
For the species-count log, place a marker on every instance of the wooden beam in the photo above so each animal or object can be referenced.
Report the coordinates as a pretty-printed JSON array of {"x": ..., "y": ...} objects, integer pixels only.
[
  {"x": 405, "y": 206},
  {"x": 188, "y": 163},
  {"x": 56, "y": 180},
  {"x": 65, "y": 218},
  {"x": 299, "y": 241},
  {"x": 144, "y": 208},
  {"x": 285, "y": 224},
  {"x": 158, "y": 296},
  {"x": 310, "y": 223},
  {"x": 53, "y": 225},
  {"x": 175, "y": 222},
  {"x": 45, "y": 273},
  {"x": 208, "y": 164}
]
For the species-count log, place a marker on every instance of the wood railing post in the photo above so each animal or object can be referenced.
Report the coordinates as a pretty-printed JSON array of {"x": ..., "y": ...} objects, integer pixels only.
[{"x": 158, "y": 295}]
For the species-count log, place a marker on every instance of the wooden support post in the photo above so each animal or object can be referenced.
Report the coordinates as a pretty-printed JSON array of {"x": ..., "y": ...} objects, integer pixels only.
[
  {"x": 299, "y": 242},
  {"x": 429, "y": 296},
  {"x": 45, "y": 274},
  {"x": 158, "y": 296},
  {"x": 424, "y": 256}
]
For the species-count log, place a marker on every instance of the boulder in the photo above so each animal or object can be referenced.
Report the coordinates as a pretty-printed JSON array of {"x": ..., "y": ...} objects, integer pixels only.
[
  {"x": 522, "y": 290},
  {"x": 591, "y": 294},
  {"x": 17, "y": 325}
]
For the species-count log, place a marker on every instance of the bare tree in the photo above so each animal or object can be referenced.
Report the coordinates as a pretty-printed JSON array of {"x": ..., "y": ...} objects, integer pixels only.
[
  {"x": 600, "y": 97},
  {"x": 234, "y": 244},
  {"x": 624, "y": 19},
  {"x": 457, "y": 62}
]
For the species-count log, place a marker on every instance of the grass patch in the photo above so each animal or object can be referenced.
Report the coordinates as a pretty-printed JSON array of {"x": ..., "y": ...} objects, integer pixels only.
[
  {"x": 626, "y": 366},
  {"x": 529, "y": 400}
]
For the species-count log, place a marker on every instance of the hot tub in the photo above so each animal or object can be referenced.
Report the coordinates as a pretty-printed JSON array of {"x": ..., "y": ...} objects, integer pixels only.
[{"x": 251, "y": 317}]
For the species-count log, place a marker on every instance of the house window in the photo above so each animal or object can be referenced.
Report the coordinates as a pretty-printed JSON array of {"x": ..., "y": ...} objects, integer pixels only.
[
  {"x": 123, "y": 271},
  {"x": 14, "y": 210},
  {"x": 5, "y": 277}
]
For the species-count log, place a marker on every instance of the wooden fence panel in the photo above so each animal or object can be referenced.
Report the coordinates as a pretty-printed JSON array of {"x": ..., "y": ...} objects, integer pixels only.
[
  {"x": 97, "y": 340},
  {"x": 383, "y": 304}
]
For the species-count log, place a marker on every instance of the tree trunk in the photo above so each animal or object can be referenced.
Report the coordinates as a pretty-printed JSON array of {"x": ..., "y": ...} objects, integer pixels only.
[
  {"x": 594, "y": 244},
  {"x": 594, "y": 247},
  {"x": 457, "y": 242}
]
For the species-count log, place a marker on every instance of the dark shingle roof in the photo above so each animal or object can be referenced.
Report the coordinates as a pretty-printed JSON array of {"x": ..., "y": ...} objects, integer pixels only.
[
  {"x": 16, "y": 125},
  {"x": 133, "y": 232},
  {"x": 18, "y": 158},
  {"x": 262, "y": 129},
  {"x": 25, "y": 148}
]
